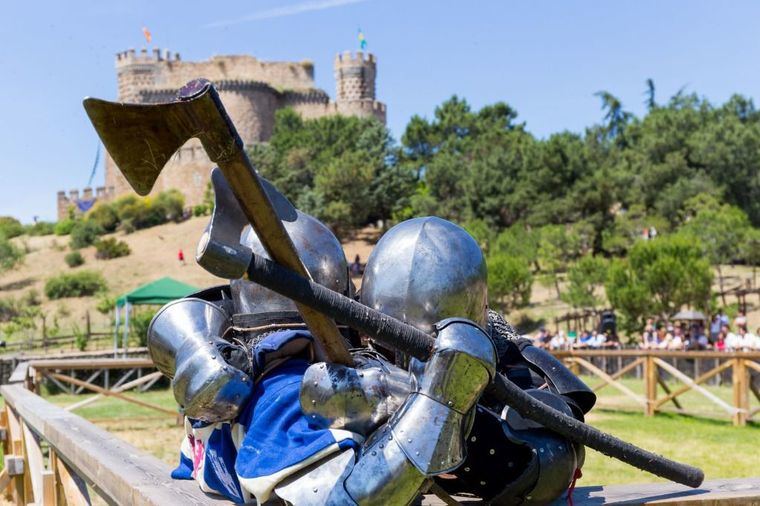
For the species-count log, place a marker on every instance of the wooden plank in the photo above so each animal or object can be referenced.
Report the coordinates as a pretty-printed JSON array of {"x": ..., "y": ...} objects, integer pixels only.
[
  {"x": 650, "y": 385},
  {"x": 684, "y": 378},
  {"x": 606, "y": 377},
  {"x": 48, "y": 488},
  {"x": 753, "y": 365},
  {"x": 89, "y": 363},
  {"x": 111, "y": 393},
  {"x": 619, "y": 373},
  {"x": 70, "y": 488},
  {"x": 19, "y": 373},
  {"x": 17, "y": 438},
  {"x": 5, "y": 479},
  {"x": 744, "y": 491},
  {"x": 741, "y": 392},
  {"x": 34, "y": 461},
  {"x": 665, "y": 387},
  {"x": 700, "y": 379},
  {"x": 118, "y": 389},
  {"x": 117, "y": 470}
]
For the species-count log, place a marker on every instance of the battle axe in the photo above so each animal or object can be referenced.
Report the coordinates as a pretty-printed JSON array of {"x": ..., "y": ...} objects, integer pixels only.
[{"x": 141, "y": 138}]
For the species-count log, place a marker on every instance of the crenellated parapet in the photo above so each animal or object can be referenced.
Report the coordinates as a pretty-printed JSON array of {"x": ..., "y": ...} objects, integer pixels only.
[{"x": 76, "y": 202}]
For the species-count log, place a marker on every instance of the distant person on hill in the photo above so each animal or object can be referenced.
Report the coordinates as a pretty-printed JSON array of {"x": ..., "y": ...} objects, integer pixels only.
[
  {"x": 356, "y": 266},
  {"x": 181, "y": 257}
]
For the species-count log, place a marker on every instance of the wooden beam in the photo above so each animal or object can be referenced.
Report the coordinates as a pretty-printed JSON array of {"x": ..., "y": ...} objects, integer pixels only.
[
  {"x": 118, "y": 471},
  {"x": 103, "y": 391},
  {"x": 606, "y": 377},
  {"x": 665, "y": 387},
  {"x": 700, "y": 379},
  {"x": 619, "y": 373},
  {"x": 35, "y": 462},
  {"x": 118, "y": 389},
  {"x": 5, "y": 479},
  {"x": 70, "y": 488},
  {"x": 687, "y": 380}
]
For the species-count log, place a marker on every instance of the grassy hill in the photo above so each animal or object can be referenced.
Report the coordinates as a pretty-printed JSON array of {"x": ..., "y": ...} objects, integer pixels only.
[{"x": 154, "y": 255}]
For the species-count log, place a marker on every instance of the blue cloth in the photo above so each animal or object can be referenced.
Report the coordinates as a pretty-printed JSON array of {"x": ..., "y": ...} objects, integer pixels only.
[{"x": 277, "y": 435}]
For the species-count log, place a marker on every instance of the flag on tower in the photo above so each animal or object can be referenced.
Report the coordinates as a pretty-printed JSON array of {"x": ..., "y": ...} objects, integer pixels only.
[
  {"x": 362, "y": 40},
  {"x": 146, "y": 32}
]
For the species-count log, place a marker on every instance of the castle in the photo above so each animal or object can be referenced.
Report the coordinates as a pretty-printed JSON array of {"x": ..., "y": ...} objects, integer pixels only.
[{"x": 251, "y": 90}]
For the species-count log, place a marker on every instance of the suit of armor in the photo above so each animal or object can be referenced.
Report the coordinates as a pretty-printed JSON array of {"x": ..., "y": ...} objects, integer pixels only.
[{"x": 266, "y": 422}]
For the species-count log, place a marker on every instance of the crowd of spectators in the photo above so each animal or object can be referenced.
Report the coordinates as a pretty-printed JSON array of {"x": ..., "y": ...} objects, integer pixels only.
[
  {"x": 724, "y": 335},
  {"x": 573, "y": 340}
]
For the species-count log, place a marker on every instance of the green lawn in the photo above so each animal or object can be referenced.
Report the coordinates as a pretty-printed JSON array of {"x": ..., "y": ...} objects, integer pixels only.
[{"x": 723, "y": 451}]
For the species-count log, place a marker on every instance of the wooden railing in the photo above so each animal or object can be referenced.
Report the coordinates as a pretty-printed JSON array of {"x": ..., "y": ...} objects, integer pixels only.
[
  {"x": 54, "y": 457},
  {"x": 653, "y": 367}
]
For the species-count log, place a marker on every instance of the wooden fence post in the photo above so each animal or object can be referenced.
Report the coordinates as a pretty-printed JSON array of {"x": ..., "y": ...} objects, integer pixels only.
[
  {"x": 650, "y": 378},
  {"x": 741, "y": 392}
]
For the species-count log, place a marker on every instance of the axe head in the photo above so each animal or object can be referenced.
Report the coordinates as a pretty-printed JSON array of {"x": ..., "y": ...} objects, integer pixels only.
[
  {"x": 219, "y": 249},
  {"x": 141, "y": 138}
]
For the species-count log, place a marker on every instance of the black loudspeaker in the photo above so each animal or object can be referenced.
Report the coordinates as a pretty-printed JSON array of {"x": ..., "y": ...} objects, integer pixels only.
[{"x": 608, "y": 323}]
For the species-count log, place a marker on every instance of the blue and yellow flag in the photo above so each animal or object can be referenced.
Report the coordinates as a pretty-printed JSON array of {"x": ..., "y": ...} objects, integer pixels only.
[{"x": 362, "y": 40}]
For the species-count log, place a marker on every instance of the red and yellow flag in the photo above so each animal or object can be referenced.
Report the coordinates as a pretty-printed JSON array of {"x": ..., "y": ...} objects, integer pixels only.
[{"x": 146, "y": 32}]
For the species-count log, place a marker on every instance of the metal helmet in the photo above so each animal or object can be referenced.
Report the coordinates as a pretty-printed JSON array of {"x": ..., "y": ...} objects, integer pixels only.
[
  {"x": 320, "y": 251},
  {"x": 424, "y": 270}
]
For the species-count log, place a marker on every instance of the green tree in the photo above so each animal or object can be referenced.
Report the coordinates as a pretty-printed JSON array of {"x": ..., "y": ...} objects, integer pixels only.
[
  {"x": 509, "y": 282},
  {"x": 10, "y": 254},
  {"x": 584, "y": 278}
]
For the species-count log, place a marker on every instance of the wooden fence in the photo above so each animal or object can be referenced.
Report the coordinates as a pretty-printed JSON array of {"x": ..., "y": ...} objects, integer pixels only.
[
  {"x": 739, "y": 369},
  {"x": 9, "y": 363}
]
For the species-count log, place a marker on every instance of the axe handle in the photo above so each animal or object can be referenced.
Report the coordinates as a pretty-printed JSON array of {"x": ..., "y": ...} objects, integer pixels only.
[
  {"x": 396, "y": 334},
  {"x": 224, "y": 147}
]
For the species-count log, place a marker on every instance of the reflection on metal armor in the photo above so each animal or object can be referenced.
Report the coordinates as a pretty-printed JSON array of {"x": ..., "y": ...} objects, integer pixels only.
[
  {"x": 320, "y": 252},
  {"x": 424, "y": 270},
  {"x": 356, "y": 399},
  {"x": 182, "y": 340}
]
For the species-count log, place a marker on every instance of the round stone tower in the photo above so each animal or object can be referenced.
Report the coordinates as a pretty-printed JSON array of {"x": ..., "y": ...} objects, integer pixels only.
[{"x": 355, "y": 76}]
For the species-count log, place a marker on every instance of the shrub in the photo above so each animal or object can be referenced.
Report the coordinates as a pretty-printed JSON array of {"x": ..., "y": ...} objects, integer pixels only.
[
  {"x": 171, "y": 204},
  {"x": 111, "y": 248},
  {"x": 78, "y": 284},
  {"x": 10, "y": 254},
  {"x": 104, "y": 216},
  {"x": 84, "y": 233},
  {"x": 139, "y": 324},
  {"x": 74, "y": 259},
  {"x": 10, "y": 227},
  {"x": 140, "y": 214},
  {"x": 40, "y": 228},
  {"x": 200, "y": 210},
  {"x": 63, "y": 227}
]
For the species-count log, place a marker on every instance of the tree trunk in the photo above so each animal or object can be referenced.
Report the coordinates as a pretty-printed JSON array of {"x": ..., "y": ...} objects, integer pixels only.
[
  {"x": 556, "y": 285},
  {"x": 720, "y": 285}
]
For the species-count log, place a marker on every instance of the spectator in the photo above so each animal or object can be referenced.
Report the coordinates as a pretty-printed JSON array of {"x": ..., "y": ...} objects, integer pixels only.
[
  {"x": 720, "y": 342},
  {"x": 664, "y": 336},
  {"x": 584, "y": 340},
  {"x": 558, "y": 342},
  {"x": 649, "y": 336},
  {"x": 542, "y": 338},
  {"x": 733, "y": 341},
  {"x": 740, "y": 322},
  {"x": 677, "y": 339},
  {"x": 715, "y": 326},
  {"x": 697, "y": 339}
]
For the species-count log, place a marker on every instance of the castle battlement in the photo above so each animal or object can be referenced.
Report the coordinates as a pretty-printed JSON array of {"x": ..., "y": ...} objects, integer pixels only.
[
  {"x": 130, "y": 56},
  {"x": 77, "y": 203},
  {"x": 351, "y": 58},
  {"x": 251, "y": 90}
]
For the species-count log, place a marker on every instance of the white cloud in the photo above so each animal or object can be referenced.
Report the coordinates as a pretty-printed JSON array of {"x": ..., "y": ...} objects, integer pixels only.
[{"x": 287, "y": 10}]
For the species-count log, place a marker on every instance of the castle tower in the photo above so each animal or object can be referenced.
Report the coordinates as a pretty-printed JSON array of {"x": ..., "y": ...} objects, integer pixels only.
[
  {"x": 355, "y": 85},
  {"x": 355, "y": 76}
]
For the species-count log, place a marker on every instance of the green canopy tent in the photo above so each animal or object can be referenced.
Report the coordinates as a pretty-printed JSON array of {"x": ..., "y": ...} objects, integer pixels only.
[{"x": 158, "y": 292}]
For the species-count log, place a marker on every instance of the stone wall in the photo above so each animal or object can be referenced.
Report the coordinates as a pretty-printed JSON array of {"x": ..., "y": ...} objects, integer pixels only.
[{"x": 251, "y": 91}]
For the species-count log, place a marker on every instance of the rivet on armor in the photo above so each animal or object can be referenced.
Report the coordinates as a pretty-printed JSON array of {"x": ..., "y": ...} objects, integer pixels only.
[
  {"x": 466, "y": 469},
  {"x": 417, "y": 453},
  {"x": 382, "y": 446},
  {"x": 491, "y": 451},
  {"x": 510, "y": 464},
  {"x": 473, "y": 439},
  {"x": 213, "y": 357},
  {"x": 315, "y": 489},
  {"x": 541, "y": 450},
  {"x": 409, "y": 440},
  {"x": 482, "y": 483},
  {"x": 374, "y": 453},
  {"x": 313, "y": 402},
  {"x": 450, "y": 403}
]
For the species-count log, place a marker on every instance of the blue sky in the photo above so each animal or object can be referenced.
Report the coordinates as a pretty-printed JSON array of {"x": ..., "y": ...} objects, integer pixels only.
[{"x": 545, "y": 58}]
